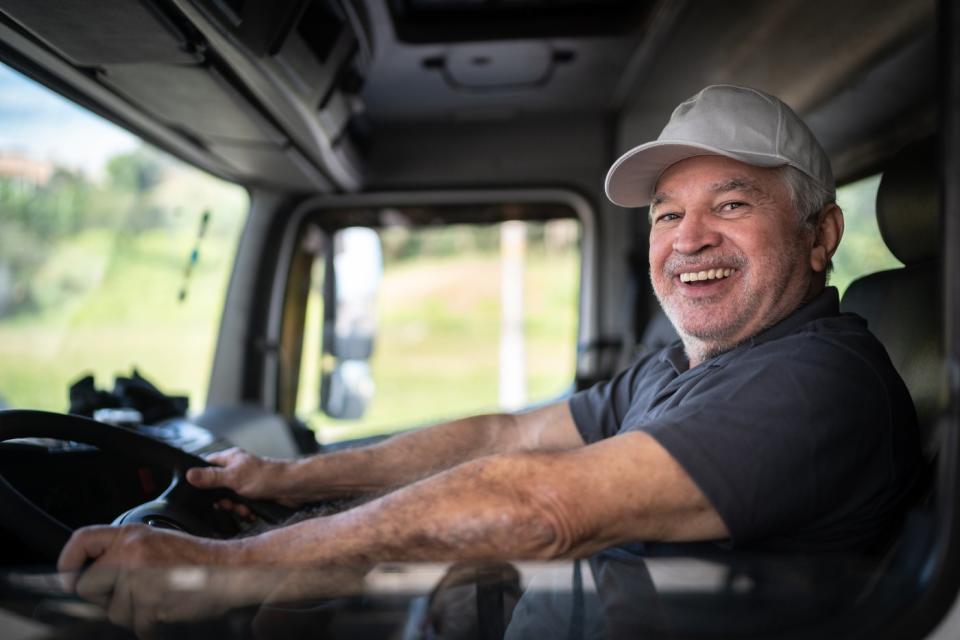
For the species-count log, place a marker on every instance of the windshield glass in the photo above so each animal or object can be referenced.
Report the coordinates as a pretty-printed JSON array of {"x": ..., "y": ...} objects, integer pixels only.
[
  {"x": 613, "y": 596},
  {"x": 113, "y": 255},
  {"x": 470, "y": 318}
]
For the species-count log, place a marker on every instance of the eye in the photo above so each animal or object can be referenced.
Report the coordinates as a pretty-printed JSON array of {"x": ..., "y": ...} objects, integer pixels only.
[
  {"x": 666, "y": 217},
  {"x": 730, "y": 206}
]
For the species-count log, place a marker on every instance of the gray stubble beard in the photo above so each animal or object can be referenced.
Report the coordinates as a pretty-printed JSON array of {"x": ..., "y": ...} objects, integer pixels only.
[{"x": 710, "y": 344}]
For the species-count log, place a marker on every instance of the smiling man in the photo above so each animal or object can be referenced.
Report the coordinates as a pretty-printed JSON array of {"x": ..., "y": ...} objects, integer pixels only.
[
  {"x": 776, "y": 423},
  {"x": 726, "y": 262}
]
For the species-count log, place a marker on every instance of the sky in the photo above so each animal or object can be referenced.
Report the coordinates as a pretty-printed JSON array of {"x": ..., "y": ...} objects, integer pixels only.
[{"x": 41, "y": 125}]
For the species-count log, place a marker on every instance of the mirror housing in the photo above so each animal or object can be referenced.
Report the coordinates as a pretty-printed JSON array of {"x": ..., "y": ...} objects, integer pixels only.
[
  {"x": 346, "y": 390},
  {"x": 354, "y": 269}
]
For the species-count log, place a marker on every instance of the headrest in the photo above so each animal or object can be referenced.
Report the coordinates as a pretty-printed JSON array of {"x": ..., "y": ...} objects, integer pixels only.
[{"x": 908, "y": 203}]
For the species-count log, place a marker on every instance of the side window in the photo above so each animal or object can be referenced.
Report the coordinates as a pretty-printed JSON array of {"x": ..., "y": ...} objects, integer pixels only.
[
  {"x": 113, "y": 255},
  {"x": 862, "y": 250},
  {"x": 469, "y": 318}
]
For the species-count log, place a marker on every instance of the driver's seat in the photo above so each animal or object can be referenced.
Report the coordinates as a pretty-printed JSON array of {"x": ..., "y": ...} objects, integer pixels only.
[{"x": 903, "y": 307}]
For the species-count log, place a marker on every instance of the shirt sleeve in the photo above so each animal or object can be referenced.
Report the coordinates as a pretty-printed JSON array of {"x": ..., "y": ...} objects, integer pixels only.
[
  {"x": 800, "y": 443},
  {"x": 600, "y": 410}
]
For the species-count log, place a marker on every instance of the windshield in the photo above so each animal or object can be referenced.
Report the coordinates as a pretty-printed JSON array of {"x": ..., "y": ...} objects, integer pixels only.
[{"x": 113, "y": 255}]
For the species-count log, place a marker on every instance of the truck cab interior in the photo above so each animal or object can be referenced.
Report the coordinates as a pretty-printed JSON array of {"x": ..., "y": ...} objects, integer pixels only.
[{"x": 363, "y": 134}]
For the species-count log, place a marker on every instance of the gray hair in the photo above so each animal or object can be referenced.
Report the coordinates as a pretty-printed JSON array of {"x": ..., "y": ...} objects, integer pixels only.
[{"x": 809, "y": 197}]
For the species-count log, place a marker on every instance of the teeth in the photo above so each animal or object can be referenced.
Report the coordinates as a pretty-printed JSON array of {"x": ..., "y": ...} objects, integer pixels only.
[{"x": 712, "y": 274}]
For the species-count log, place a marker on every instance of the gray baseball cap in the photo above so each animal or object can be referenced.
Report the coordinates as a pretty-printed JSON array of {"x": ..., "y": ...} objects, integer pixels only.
[{"x": 725, "y": 120}]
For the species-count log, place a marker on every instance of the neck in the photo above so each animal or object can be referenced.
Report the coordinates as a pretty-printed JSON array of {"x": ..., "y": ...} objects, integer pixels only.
[
  {"x": 699, "y": 351},
  {"x": 817, "y": 285}
]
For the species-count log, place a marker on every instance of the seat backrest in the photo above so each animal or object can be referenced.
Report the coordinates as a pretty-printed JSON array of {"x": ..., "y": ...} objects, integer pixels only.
[{"x": 903, "y": 306}]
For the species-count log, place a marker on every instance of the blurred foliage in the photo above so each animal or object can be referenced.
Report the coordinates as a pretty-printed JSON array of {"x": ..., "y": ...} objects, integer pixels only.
[
  {"x": 36, "y": 216},
  {"x": 91, "y": 269},
  {"x": 404, "y": 243},
  {"x": 862, "y": 249},
  {"x": 137, "y": 171}
]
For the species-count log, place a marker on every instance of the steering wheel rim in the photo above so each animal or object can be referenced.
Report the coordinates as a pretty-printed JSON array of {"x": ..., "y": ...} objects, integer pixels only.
[{"x": 45, "y": 534}]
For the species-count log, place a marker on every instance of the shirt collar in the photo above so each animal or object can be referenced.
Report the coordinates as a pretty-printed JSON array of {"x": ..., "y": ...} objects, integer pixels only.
[
  {"x": 676, "y": 357},
  {"x": 826, "y": 304}
]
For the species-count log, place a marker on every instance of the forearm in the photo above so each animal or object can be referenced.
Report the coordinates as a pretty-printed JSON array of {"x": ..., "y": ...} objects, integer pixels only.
[
  {"x": 476, "y": 511},
  {"x": 401, "y": 459},
  {"x": 536, "y": 505}
]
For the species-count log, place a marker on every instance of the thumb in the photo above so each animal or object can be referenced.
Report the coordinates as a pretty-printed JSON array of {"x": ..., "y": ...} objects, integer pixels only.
[{"x": 206, "y": 477}]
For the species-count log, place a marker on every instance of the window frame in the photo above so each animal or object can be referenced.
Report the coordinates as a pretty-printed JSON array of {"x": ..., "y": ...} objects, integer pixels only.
[{"x": 279, "y": 390}]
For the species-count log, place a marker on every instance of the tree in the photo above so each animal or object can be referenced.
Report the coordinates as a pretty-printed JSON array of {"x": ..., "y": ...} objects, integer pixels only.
[{"x": 137, "y": 171}]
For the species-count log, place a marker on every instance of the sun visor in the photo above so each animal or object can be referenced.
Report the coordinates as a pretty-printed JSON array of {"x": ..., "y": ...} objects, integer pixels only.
[
  {"x": 104, "y": 31},
  {"x": 196, "y": 99}
]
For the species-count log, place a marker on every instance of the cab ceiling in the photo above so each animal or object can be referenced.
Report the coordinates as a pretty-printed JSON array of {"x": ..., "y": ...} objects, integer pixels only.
[{"x": 316, "y": 95}]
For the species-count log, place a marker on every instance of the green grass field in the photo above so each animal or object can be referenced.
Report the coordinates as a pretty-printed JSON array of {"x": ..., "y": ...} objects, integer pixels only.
[
  {"x": 437, "y": 350},
  {"x": 112, "y": 306},
  {"x": 107, "y": 299}
]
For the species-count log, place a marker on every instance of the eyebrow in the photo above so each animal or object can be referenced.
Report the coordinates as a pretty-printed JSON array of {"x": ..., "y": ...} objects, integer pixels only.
[{"x": 736, "y": 184}]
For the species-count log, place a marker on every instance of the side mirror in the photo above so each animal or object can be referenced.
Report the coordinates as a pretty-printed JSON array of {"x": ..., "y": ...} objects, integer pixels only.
[
  {"x": 353, "y": 273},
  {"x": 346, "y": 390}
]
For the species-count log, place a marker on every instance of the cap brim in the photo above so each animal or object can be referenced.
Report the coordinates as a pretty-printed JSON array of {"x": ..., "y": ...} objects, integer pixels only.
[{"x": 633, "y": 176}]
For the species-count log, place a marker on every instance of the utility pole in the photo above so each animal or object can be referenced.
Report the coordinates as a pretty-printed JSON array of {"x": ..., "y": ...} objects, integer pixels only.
[{"x": 513, "y": 375}]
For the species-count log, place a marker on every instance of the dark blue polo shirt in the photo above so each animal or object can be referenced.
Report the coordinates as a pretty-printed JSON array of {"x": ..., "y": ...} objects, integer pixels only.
[{"x": 803, "y": 438}]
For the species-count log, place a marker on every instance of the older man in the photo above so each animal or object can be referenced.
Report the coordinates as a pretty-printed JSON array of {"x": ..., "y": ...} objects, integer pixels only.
[{"x": 776, "y": 423}]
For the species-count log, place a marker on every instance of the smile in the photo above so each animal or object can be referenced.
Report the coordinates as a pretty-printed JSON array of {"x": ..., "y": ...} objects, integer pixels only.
[{"x": 710, "y": 274}]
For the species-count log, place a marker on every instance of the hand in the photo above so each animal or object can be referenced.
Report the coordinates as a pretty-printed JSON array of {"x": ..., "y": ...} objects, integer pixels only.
[
  {"x": 249, "y": 475},
  {"x": 141, "y": 575}
]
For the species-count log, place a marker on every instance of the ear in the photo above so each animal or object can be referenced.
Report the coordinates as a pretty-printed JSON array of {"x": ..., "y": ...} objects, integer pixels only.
[{"x": 827, "y": 237}]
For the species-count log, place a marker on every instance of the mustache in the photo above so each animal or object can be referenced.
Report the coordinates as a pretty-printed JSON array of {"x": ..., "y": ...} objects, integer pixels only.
[{"x": 678, "y": 264}]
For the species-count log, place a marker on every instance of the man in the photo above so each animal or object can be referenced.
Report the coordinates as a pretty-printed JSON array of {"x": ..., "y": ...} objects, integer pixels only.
[{"x": 777, "y": 423}]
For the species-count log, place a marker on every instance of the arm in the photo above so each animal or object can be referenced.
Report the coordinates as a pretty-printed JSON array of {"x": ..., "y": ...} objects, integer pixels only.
[
  {"x": 508, "y": 506},
  {"x": 521, "y": 505},
  {"x": 395, "y": 462},
  {"x": 516, "y": 505}
]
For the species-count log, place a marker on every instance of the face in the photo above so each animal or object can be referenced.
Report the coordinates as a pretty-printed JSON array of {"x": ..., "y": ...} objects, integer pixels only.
[{"x": 728, "y": 257}]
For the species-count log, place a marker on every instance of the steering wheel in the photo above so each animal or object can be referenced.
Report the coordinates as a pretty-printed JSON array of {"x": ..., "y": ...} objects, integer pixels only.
[{"x": 181, "y": 506}]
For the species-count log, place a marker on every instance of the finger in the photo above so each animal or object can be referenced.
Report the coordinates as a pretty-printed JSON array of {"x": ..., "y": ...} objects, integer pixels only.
[
  {"x": 239, "y": 509},
  {"x": 97, "y": 585},
  {"x": 208, "y": 477},
  {"x": 120, "y": 607},
  {"x": 288, "y": 502},
  {"x": 223, "y": 458},
  {"x": 146, "y": 614},
  {"x": 84, "y": 544}
]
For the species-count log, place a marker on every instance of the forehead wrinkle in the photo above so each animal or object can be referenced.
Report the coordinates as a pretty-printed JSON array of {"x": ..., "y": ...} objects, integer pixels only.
[{"x": 744, "y": 184}]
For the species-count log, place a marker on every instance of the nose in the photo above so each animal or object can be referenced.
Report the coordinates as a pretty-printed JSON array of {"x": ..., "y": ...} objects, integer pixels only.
[{"x": 694, "y": 234}]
